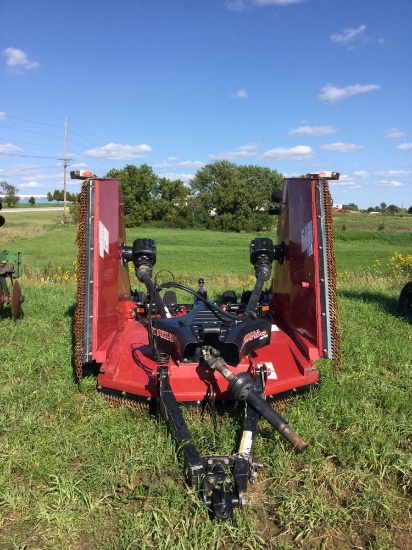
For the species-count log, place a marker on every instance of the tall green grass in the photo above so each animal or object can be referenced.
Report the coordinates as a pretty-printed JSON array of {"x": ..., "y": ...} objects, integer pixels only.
[{"x": 77, "y": 473}]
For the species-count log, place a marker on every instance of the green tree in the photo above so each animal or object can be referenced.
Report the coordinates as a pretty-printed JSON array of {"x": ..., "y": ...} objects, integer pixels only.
[
  {"x": 72, "y": 197},
  {"x": 32, "y": 201},
  {"x": 140, "y": 189},
  {"x": 170, "y": 203},
  {"x": 410, "y": 210},
  {"x": 351, "y": 206},
  {"x": 10, "y": 192},
  {"x": 74, "y": 212},
  {"x": 236, "y": 198},
  {"x": 58, "y": 195}
]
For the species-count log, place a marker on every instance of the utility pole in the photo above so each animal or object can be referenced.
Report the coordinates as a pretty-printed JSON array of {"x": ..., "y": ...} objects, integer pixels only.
[{"x": 65, "y": 161}]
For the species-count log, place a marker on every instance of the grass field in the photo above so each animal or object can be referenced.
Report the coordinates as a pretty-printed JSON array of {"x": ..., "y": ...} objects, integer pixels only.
[{"x": 76, "y": 473}]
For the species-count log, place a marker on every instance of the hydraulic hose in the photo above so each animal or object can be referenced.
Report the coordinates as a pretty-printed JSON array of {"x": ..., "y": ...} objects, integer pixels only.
[
  {"x": 144, "y": 275},
  {"x": 255, "y": 296}
]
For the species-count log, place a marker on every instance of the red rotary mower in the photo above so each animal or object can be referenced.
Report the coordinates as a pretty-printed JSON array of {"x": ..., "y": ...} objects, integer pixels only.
[{"x": 157, "y": 353}]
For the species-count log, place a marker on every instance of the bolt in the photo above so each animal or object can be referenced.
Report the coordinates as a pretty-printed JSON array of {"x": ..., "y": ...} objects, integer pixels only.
[{"x": 243, "y": 501}]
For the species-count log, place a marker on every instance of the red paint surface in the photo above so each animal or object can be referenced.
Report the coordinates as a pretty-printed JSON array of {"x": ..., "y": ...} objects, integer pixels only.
[{"x": 120, "y": 341}]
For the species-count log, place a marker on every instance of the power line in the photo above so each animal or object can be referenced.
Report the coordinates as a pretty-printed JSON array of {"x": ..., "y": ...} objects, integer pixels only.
[
  {"x": 28, "y": 131},
  {"x": 34, "y": 121},
  {"x": 26, "y": 156},
  {"x": 29, "y": 143}
]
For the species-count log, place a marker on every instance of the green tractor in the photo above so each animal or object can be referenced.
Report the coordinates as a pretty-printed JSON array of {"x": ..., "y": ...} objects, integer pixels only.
[{"x": 10, "y": 268}]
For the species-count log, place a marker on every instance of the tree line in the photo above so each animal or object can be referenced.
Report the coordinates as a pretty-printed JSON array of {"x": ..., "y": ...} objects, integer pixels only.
[{"x": 222, "y": 196}]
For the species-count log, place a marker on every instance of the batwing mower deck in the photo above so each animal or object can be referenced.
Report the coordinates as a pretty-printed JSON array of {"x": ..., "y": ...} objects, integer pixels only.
[{"x": 158, "y": 353}]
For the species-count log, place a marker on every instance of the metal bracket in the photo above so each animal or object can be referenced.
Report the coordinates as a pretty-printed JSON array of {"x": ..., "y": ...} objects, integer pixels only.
[{"x": 222, "y": 480}]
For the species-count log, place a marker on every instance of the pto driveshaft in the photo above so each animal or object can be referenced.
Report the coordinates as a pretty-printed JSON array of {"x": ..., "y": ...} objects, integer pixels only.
[{"x": 241, "y": 386}]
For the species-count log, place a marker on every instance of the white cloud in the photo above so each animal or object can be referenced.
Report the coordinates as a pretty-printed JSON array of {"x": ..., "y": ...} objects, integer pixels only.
[
  {"x": 312, "y": 130},
  {"x": 2, "y": 115},
  {"x": 191, "y": 163},
  {"x": 346, "y": 183},
  {"x": 80, "y": 165},
  {"x": 393, "y": 173},
  {"x": 341, "y": 147},
  {"x": 117, "y": 151},
  {"x": 348, "y": 35},
  {"x": 9, "y": 149},
  {"x": 361, "y": 174},
  {"x": 405, "y": 146},
  {"x": 239, "y": 152},
  {"x": 300, "y": 152},
  {"x": 17, "y": 60},
  {"x": 333, "y": 94},
  {"x": 241, "y": 94},
  {"x": 236, "y": 5},
  {"x": 30, "y": 185},
  {"x": 394, "y": 133},
  {"x": 242, "y": 5},
  {"x": 276, "y": 2},
  {"x": 179, "y": 176},
  {"x": 389, "y": 184}
]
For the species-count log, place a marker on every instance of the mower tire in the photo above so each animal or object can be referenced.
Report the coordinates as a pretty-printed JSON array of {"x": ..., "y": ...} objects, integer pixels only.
[
  {"x": 277, "y": 195},
  {"x": 405, "y": 302}
]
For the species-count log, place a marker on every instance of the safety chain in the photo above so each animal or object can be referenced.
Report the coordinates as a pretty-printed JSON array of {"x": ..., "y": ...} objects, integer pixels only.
[
  {"x": 81, "y": 241},
  {"x": 332, "y": 289}
]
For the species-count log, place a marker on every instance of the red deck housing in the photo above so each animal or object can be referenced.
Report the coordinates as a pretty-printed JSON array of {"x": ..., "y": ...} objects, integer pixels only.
[{"x": 116, "y": 338}]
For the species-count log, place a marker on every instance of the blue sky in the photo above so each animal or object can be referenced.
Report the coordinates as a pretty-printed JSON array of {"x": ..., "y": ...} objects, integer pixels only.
[{"x": 296, "y": 85}]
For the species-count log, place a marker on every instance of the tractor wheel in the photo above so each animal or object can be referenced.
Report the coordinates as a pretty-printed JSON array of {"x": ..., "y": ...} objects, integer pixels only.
[
  {"x": 405, "y": 302},
  {"x": 16, "y": 300}
]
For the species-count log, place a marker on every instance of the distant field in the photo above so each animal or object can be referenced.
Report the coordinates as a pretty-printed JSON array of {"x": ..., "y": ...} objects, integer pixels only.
[
  {"x": 44, "y": 241},
  {"x": 21, "y": 205},
  {"x": 372, "y": 222}
]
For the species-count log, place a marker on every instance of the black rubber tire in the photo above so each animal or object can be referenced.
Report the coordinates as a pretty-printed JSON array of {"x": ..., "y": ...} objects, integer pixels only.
[
  {"x": 277, "y": 195},
  {"x": 229, "y": 297},
  {"x": 170, "y": 298},
  {"x": 405, "y": 302}
]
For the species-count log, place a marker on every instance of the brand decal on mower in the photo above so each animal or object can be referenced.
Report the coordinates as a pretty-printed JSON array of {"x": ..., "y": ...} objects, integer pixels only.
[
  {"x": 163, "y": 334},
  {"x": 160, "y": 333},
  {"x": 307, "y": 239},
  {"x": 103, "y": 239},
  {"x": 254, "y": 335}
]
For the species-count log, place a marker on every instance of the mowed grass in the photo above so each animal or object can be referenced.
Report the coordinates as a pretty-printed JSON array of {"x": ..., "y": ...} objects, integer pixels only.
[{"x": 77, "y": 473}]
